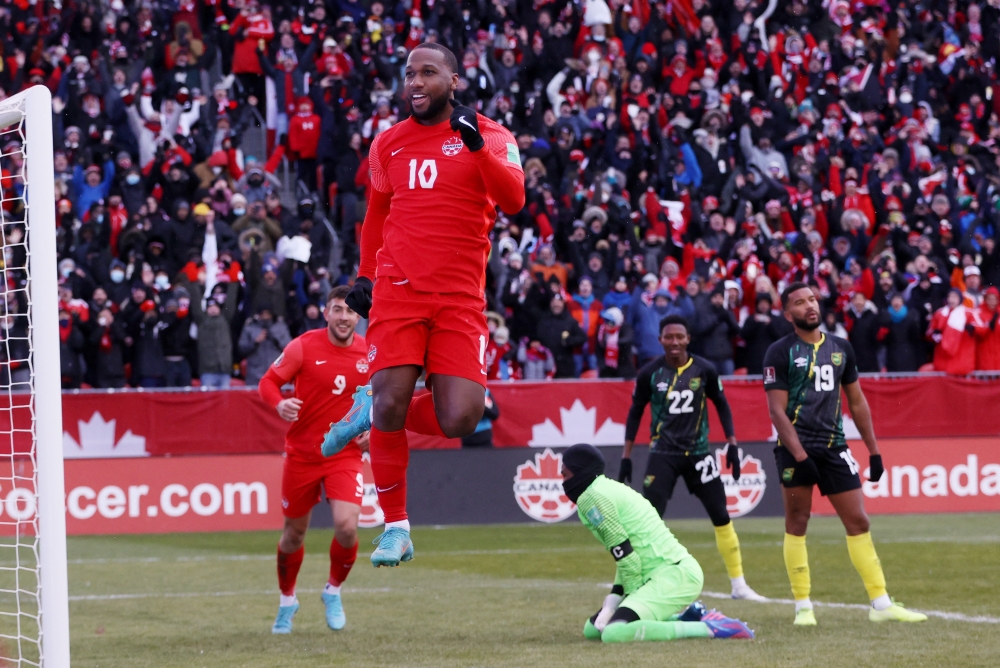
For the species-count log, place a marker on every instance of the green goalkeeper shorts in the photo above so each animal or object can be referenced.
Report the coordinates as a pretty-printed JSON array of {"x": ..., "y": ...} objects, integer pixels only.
[{"x": 668, "y": 592}]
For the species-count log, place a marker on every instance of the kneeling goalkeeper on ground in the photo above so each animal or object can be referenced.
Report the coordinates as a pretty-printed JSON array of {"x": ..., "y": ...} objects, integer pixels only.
[{"x": 656, "y": 582}]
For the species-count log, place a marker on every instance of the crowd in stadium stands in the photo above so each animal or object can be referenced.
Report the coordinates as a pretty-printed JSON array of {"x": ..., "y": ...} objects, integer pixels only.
[{"x": 680, "y": 156}]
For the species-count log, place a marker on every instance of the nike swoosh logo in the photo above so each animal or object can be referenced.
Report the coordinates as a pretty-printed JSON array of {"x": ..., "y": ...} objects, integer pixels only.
[
  {"x": 318, "y": 362},
  {"x": 396, "y": 151},
  {"x": 461, "y": 119},
  {"x": 380, "y": 490}
]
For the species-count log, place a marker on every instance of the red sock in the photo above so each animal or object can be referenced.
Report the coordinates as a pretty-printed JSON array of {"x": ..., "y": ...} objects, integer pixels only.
[
  {"x": 288, "y": 570},
  {"x": 421, "y": 418},
  {"x": 390, "y": 456},
  {"x": 341, "y": 560}
]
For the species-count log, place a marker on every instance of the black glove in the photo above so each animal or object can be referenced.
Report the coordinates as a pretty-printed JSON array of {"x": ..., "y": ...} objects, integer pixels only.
[
  {"x": 806, "y": 472},
  {"x": 875, "y": 468},
  {"x": 733, "y": 460},
  {"x": 360, "y": 296},
  {"x": 464, "y": 122},
  {"x": 625, "y": 470},
  {"x": 970, "y": 329}
]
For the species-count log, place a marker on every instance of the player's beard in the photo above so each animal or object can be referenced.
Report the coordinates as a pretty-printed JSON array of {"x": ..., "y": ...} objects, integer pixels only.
[
  {"x": 805, "y": 325},
  {"x": 434, "y": 107},
  {"x": 337, "y": 336}
]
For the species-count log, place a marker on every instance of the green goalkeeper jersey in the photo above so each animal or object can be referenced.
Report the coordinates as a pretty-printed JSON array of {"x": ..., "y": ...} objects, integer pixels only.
[{"x": 628, "y": 526}]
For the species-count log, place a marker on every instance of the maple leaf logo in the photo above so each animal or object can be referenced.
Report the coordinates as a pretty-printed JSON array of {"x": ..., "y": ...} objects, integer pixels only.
[
  {"x": 97, "y": 440},
  {"x": 538, "y": 488},
  {"x": 579, "y": 425},
  {"x": 744, "y": 494}
]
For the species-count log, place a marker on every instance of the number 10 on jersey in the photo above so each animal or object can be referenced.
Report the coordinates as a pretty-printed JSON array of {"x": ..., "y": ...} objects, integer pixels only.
[{"x": 427, "y": 174}]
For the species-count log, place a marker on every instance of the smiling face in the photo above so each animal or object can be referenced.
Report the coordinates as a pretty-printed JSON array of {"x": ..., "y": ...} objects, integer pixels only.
[
  {"x": 428, "y": 85},
  {"x": 340, "y": 320},
  {"x": 675, "y": 339}
]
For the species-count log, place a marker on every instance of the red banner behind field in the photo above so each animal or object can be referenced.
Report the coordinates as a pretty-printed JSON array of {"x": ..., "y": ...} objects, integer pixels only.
[
  {"x": 929, "y": 476},
  {"x": 139, "y": 424},
  {"x": 161, "y": 495}
]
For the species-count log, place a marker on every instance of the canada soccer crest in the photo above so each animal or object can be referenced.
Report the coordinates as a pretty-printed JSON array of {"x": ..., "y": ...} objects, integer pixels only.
[
  {"x": 539, "y": 491},
  {"x": 361, "y": 365},
  {"x": 452, "y": 146},
  {"x": 371, "y": 512},
  {"x": 744, "y": 494}
]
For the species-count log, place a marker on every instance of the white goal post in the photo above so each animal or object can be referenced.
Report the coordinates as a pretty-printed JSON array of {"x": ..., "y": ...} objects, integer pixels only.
[{"x": 34, "y": 596}]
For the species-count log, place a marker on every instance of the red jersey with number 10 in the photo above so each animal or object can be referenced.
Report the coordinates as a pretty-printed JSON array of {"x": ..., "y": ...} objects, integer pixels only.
[
  {"x": 440, "y": 215},
  {"x": 325, "y": 378}
]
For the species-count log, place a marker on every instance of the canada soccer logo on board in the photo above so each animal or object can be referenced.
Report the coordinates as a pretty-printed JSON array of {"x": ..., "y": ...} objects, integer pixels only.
[
  {"x": 539, "y": 491},
  {"x": 743, "y": 495}
]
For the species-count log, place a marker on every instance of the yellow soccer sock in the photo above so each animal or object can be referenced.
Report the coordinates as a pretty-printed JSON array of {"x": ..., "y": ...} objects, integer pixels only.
[
  {"x": 729, "y": 547},
  {"x": 797, "y": 565},
  {"x": 866, "y": 562}
]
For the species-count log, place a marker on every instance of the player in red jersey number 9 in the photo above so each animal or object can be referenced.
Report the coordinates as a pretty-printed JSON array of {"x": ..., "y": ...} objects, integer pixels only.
[{"x": 437, "y": 180}]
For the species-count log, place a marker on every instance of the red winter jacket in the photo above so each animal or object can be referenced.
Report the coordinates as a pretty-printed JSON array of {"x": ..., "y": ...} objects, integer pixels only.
[
  {"x": 955, "y": 352},
  {"x": 987, "y": 340},
  {"x": 303, "y": 135},
  {"x": 255, "y": 28}
]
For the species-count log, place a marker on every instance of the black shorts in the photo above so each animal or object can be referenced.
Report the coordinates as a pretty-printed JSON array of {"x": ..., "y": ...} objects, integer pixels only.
[
  {"x": 838, "y": 470},
  {"x": 700, "y": 473}
]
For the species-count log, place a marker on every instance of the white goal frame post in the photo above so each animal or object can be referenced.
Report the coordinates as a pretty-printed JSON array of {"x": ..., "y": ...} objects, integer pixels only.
[{"x": 33, "y": 107}]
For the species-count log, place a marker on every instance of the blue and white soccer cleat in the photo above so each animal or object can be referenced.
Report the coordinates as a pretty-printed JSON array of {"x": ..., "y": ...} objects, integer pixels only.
[
  {"x": 357, "y": 421},
  {"x": 283, "y": 622},
  {"x": 335, "y": 617},
  {"x": 726, "y": 627},
  {"x": 394, "y": 546}
]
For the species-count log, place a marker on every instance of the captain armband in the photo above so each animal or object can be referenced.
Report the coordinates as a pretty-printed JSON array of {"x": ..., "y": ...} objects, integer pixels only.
[{"x": 621, "y": 550}]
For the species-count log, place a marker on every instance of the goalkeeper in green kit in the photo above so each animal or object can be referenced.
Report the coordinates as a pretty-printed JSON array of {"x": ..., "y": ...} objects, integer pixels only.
[{"x": 657, "y": 583}]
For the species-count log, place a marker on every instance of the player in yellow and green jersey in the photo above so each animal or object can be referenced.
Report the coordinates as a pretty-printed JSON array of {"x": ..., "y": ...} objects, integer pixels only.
[
  {"x": 803, "y": 376},
  {"x": 678, "y": 387},
  {"x": 657, "y": 583}
]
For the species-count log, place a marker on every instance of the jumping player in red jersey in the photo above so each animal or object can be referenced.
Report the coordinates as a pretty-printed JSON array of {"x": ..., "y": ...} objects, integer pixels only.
[
  {"x": 437, "y": 179},
  {"x": 323, "y": 363}
]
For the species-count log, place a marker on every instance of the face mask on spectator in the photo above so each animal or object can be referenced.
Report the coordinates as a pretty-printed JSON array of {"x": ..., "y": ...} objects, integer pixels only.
[
  {"x": 240, "y": 211},
  {"x": 66, "y": 272},
  {"x": 132, "y": 179},
  {"x": 162, "y": 282},
  {"x": 117, "y": 275},
  {"x": 220, "y": 298}
]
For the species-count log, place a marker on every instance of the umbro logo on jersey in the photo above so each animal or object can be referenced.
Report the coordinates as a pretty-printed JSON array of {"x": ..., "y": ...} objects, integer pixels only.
[
  {"x": 801, "y": 362},
  {"x": 661, "y": 387},
  {"x": 396, "y": 151},
  {"x": 452, "y": 146}
]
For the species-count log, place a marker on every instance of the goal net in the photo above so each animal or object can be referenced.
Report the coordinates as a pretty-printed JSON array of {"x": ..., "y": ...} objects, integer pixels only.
[{"x": 34, "y": 615}]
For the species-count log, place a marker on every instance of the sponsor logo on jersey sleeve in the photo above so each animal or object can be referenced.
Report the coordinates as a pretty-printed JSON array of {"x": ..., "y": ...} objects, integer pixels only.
[
  {"x": 837, "y": 358},
  {"x": 513, "y": 155},
  {"x": 769, "y": 375},
  {"x": 594, "y": 516},
  {"x": 452, "y": 146}
]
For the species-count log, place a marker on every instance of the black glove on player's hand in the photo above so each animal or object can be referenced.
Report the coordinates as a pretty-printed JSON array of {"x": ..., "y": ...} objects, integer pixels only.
[
  {"x": 875, "y": 468},
  {"x": 464, "y": 122},
  {"x": 733, "y": 460},
  {"x": 625, "y": 471},
  {"x": 360, "y": 296}
]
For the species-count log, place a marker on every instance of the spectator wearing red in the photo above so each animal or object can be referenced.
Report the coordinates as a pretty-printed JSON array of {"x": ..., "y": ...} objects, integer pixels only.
[
  {"x": 250, "y": 30},
  {"x": 303, "y": 139},
  {"x": 987, "y": 332},
  {"x": 586, "y": 309},
  {"x": 953, "y": 329}
]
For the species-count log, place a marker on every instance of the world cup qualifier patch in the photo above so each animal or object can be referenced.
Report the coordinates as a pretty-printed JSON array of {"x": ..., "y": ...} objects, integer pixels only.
[
  {"x": 513, "y": 155},
  {"x": 594, "y": 516},
  {"x": 787, "y": 474}
]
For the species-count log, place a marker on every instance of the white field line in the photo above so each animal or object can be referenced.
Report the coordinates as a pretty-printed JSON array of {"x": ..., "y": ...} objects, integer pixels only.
[
  {"x": 539, "y": 550},
  {"x": 951, "y": 616}
]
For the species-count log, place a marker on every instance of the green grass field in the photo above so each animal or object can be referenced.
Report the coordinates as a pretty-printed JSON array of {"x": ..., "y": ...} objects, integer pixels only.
[{"x": 518, "y": 596}]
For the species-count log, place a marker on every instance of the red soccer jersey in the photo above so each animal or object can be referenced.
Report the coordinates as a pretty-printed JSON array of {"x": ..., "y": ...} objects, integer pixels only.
[
  {"x": 325, "y": 377},
  {"x": 440, "y": 215}
]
